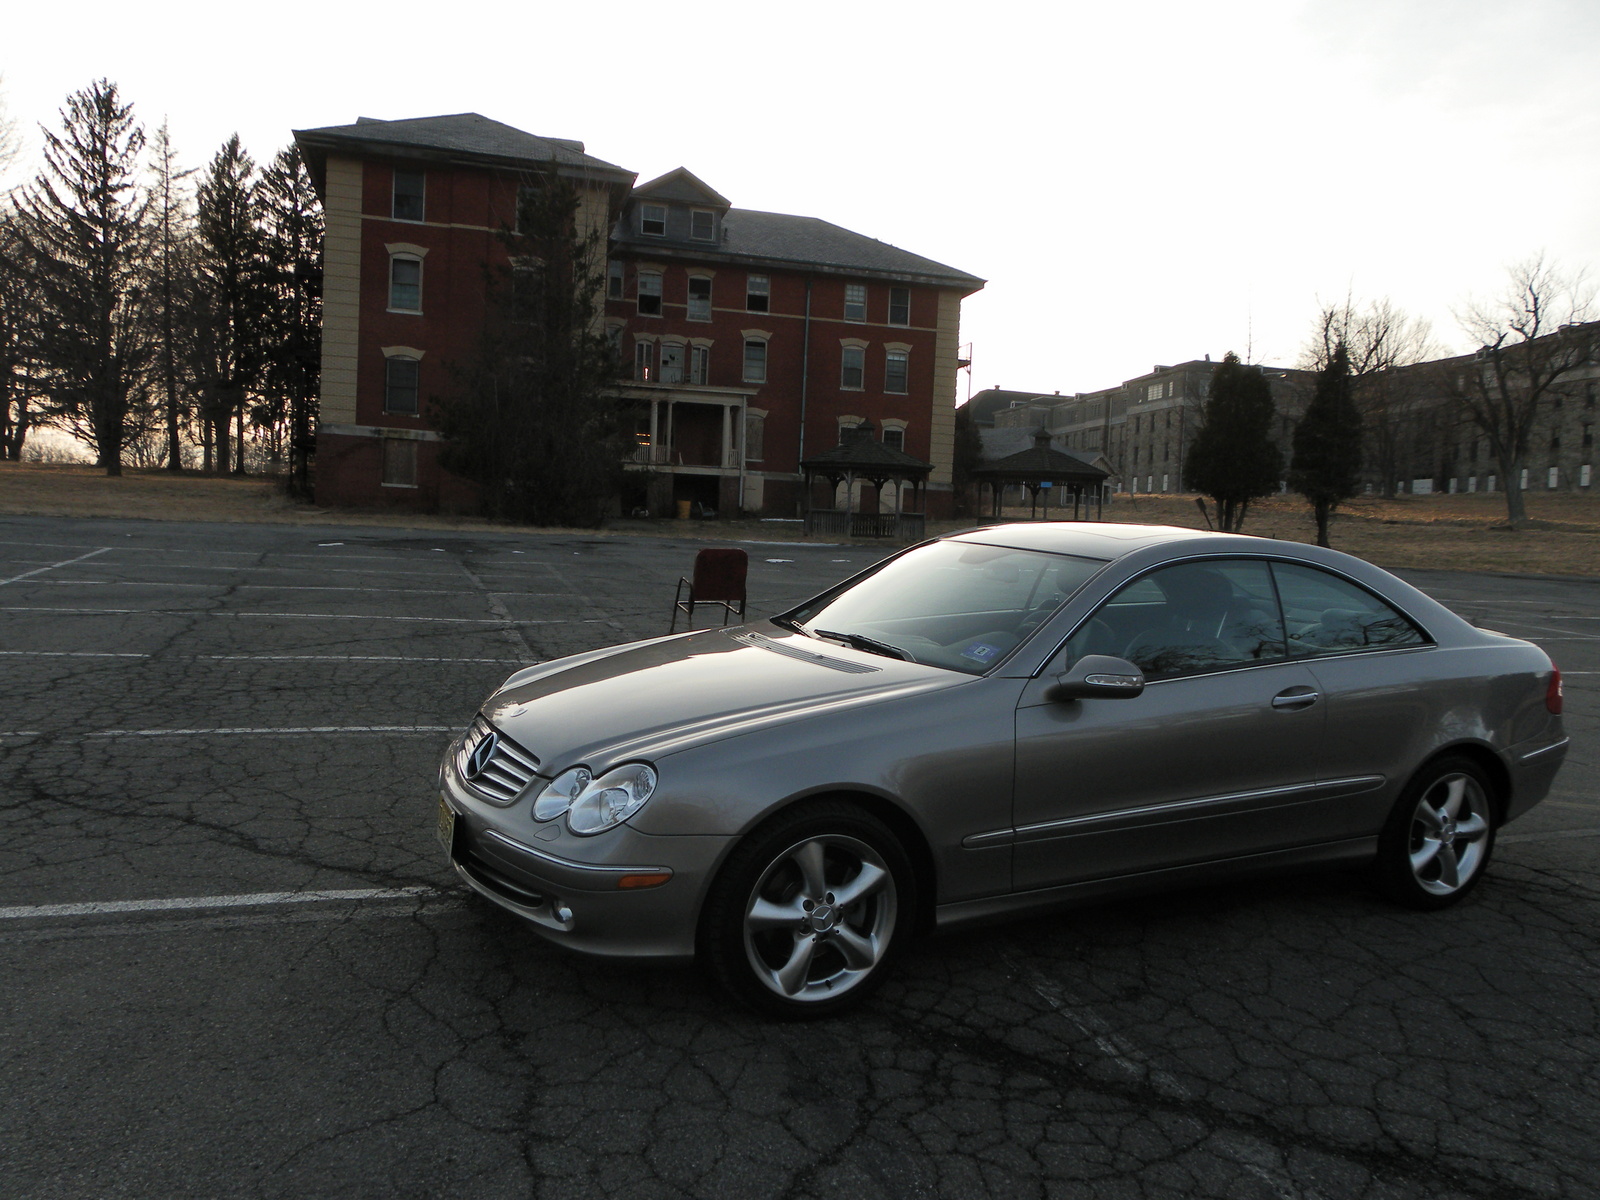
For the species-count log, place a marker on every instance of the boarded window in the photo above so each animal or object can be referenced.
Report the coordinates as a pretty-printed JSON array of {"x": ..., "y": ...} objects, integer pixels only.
[{"x": 399, "y": 462}]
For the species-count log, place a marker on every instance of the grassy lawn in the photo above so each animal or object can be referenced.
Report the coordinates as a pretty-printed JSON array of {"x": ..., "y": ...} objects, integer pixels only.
[{"x": 1453, "y": 533}]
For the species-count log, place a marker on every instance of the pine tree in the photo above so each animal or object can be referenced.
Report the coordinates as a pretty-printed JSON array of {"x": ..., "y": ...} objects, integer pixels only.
[
  {"x": 85, "y": 233},
  {"x": 532, "y": 421},
  {"x": 230, "y": 271},
  {"x": 291, "y": 219},
  {"x": 1233, "y": 459},
  {"x": 172, "y": 227},
  {"x": 1325, "y": 466}
]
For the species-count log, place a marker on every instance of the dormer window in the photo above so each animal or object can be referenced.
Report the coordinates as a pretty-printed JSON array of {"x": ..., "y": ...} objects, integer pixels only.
[
  {"x": 703, "y": 225},
  {"x": 653, "y": 219}
]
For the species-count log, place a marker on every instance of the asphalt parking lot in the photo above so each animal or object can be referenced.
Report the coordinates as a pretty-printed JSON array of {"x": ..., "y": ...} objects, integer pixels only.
[{"x": 233, "y": 963}]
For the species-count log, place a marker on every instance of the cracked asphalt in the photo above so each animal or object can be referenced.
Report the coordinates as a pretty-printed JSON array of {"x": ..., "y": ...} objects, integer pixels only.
[{"x": 233, "y": 962}]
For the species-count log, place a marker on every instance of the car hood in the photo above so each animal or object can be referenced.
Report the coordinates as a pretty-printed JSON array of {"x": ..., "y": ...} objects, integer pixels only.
[{"x": 649, "y": 699}]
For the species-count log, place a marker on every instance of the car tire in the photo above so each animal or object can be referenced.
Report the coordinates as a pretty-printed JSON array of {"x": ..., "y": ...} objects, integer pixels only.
[
  {"x": 1436, "y": 844},
  {"x": 809, "y": 910}
]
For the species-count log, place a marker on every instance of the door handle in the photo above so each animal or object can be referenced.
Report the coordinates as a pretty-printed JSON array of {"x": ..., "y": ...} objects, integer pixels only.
[{"x": 1296, "y": 698}]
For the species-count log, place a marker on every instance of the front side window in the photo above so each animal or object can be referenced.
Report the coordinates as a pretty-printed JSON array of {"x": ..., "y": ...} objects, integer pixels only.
[
  {"x": 614, "y": 280},
  {"x": 755, "y": 426},
  {"x": 755, "y": 361},
  {"x": 1188, "y": 619},
  {"x": 899, "y": 306},
  {"x": 703, "y": 225},
  {"x": 1328, "y": 615},
  {"x": 853, "y": 372},
  {"x": 649, "y": 293},
  {"x": 855, "y": 302},
  {"x": 672, "y": 362},
  {"x": 700, "y": 365},
  {"x": 896, "y": 372},
  {"x": 653, "y": 219},
  {"x": 757, "y": 294},
  {"x": 400, "y": 388},
  {"x": 699, "y": 298},
  {"x": 895, "y": 439},
  {"x": 405, "y": 284},
  {"x": 408, "y": 196},
  {"x": 644, "y": 358}
]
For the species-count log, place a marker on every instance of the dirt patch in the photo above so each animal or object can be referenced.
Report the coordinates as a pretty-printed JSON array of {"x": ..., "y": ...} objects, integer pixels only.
[{"x": 1448, "y": 533}]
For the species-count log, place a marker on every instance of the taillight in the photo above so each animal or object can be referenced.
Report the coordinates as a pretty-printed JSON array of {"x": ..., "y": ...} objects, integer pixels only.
[{"x": 1552, "y": 694}]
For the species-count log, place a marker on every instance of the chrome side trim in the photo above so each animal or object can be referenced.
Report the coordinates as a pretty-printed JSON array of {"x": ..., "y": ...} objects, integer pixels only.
[
  {"x": 1562, "y": 744},
  {"x": 1326, "y": 789},
  {"x": 566, "y": 864}
]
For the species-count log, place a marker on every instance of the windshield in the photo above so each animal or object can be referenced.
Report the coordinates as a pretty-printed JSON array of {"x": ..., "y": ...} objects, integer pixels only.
[{"x": 949, "y": 604}]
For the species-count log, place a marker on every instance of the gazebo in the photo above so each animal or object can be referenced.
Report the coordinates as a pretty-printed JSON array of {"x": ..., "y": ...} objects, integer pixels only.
[
  {"x": 860, "y": 456},
  {"x": 1041, "y": 468}
]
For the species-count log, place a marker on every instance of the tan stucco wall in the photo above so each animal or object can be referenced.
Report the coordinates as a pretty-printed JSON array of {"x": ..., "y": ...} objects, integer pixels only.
[
  {"x": 341, "y": 294},
  {"x": 942, "y": 435}
]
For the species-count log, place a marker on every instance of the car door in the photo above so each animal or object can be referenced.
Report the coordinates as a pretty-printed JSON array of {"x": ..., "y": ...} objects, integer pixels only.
[{"x": 1219, "y": 757}]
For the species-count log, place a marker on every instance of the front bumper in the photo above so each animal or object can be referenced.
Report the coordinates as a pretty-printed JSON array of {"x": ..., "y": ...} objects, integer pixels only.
[{"x": 579, "y": 892}]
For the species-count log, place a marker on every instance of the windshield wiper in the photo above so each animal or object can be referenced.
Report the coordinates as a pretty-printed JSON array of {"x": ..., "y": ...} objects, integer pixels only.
[{"x": 861, "y": 642}]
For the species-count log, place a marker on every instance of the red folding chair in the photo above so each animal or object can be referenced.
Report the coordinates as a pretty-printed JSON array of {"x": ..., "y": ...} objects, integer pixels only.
[{"x": 718, "y": 579}]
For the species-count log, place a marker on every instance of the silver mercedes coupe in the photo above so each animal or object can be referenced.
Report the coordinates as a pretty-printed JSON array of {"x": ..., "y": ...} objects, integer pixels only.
[{"x": 1000, "y": 721}]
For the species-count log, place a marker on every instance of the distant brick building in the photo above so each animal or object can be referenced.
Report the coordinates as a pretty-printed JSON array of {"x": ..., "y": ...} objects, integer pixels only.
[{"x": 750, "y": 339}]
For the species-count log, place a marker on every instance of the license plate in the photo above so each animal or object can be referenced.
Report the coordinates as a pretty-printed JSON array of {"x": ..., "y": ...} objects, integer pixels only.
[{"x": 446, "y": 828}]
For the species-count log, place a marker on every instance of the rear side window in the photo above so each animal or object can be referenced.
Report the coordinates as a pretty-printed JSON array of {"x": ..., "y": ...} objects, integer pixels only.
[{"x": 1324, "y": 614}]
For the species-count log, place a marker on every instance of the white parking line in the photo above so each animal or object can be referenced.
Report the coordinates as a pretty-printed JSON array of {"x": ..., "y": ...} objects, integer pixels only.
[
  {"x": 376, "y": 658},
  {"x": 104, "y": 907},
  {"x": 64, "y": 563},
  {"x": 210, "y": 612}
]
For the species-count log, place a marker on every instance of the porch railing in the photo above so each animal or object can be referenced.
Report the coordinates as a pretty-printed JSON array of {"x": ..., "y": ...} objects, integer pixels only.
[{"x": 905, "y": 527}]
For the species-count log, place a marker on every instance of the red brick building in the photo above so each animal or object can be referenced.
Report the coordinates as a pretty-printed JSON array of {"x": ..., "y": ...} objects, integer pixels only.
[{"x": 752, "y": 339}]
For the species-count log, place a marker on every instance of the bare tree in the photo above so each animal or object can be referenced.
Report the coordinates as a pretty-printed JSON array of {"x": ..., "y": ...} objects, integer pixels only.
[
  {"x": 172, "y": 226},
  {"x": 10, "y": 136},
  {"x": 1396, "y": 404},
  {"x": 1531, "y": 337}
]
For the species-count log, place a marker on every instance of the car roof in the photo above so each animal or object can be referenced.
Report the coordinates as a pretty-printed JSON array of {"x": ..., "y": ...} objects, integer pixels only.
[{"x": 1088, "y": 539}]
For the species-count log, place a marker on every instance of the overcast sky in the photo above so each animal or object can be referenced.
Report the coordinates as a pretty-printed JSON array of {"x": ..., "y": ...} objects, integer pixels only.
[{"x": 1139, "y": 184}]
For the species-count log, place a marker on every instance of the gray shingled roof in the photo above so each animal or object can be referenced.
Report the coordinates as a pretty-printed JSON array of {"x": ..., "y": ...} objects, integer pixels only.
[
  {"x": 861, "y": 453},
  {"x": 778, "y": 237},
  {"x": 1034, "y": 458},
  {"x": 463, "y": 133},
  {"x": 681, "y": 184}
]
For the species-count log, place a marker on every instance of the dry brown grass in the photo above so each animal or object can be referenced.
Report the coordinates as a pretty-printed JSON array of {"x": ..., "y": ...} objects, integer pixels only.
[{"x": 1457, "y": 533}]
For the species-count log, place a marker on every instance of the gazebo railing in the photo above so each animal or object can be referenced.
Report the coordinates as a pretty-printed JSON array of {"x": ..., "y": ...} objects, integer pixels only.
[{"x": 904, "y": 526}]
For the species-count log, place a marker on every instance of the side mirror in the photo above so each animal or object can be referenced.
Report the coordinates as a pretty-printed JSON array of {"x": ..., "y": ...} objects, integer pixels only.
[{"x": 1098, "y": 676}]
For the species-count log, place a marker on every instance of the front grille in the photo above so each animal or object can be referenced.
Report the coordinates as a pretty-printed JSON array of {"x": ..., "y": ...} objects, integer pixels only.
[{"x": 501, "y": 774}]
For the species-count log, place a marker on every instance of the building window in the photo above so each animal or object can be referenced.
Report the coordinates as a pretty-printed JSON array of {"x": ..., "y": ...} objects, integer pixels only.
[
  {"x": 895, "y": 439},
  {"x": 699, "y": 298},
  {"x": 644, "y": 361},
  {"x": 400, "y": 385},
  {"x": 852, "y": 375},
  {"x": 672, "y": 356},
  {"x": 755, "y": 360},
  {"x": 899, "y": 306},
  {"x": 895, "y": 372},
  {"x": 408, "y": 196},
  {"x": 649, "y": 293},
  {"x": 1584, "y": 475},
  {"x": 399, "y": 462},
  {"x": 855, "y": 302},
  {"x": 1588, "y": 436},
  {"x": 755, "y": 427},
  {"x": 614, "y": 280},
  {"x": 700, "y": 365},
  {"x": 653, "y": 219},
  {"x": 405, "y": 284},
  {"x": 1152, "y": 391},
  {"x": 703, "y": 225},
  {"x": 758, "y": 294},
  {"x": 1554, "y": 478}
]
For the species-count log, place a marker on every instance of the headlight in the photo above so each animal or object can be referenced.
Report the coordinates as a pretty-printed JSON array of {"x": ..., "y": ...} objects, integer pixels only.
[
  {"x": 598, "y": 804},
  {"x": 558, "y": 797}
]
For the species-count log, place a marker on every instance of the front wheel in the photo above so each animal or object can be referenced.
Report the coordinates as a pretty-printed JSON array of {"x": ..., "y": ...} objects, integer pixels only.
[
  {"x": 808, "y": 910},
  {"x": 1438, "y": 839}
]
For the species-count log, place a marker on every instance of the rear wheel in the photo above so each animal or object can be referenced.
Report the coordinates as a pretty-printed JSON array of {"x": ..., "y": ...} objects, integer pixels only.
[
  {"x": 1439, "y": 837},
  {"x": 808, "y": 911}
]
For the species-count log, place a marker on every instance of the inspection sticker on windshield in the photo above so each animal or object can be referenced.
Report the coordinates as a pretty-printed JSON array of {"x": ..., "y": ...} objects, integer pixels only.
[{"x": 980, "y": 652}]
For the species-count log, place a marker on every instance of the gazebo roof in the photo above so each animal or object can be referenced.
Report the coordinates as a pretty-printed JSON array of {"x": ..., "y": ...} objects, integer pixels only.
[
  {"x": 1039, "y": 462},
  {"x": 860, "y": 453}
]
